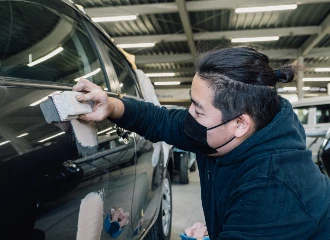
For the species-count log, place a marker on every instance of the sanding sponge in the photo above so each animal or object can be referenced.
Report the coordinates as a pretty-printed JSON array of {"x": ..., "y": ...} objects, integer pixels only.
[{"x": 64, "y": 106}]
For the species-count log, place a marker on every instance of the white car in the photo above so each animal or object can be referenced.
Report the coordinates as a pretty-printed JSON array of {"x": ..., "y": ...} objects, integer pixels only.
[{"x": 314, "y": 114}]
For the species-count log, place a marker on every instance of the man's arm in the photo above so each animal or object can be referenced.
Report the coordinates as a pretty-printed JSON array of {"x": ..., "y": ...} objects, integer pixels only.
[
  {"x": 266, "y": 208},
  {"x": 152, "y": 122}
]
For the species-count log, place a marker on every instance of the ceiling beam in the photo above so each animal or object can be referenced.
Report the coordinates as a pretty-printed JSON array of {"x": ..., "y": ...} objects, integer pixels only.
[
  {"x": 193, "y": 70},
  {"x": 279, "y": 85},
  {"x": 281, "y": 32},
  {"x": 272, "y": 54},
  {"x": 184, "y": 16},
  {"x": 312, "y": 41},
  {"x": 317, "y": 65},
  {"x": 189, "y": 79},
  {"x": 318, "y": 52},
  {"x": 178, "y": 70},
  {"x": 170, "y": 79},
  {"x": 175, "y": 58},
  {"x": 192, "y": 6}
]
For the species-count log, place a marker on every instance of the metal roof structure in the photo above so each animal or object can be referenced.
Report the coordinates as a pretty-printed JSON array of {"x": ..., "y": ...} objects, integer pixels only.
[{"x": 182, "y": 28}]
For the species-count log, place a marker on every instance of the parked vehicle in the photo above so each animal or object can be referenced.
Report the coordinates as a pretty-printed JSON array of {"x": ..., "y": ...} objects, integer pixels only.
[
  {"x": 183, "y": 163},
  {"x": 314, "y": 114},
  {"x": 323, "y": 157},
  {"x": 46, "y": 45}
]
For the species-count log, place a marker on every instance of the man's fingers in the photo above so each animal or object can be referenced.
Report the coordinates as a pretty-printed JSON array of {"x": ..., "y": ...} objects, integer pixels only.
[
  {"x": 87, "y": 97},
  {"x": 93, "y": 116},
  {"x": 84, "y": 85}
]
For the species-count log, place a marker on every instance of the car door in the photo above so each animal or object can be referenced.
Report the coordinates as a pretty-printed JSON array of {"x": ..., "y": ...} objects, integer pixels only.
[
  {"x": 44, "y": 170},
  {"x": 150, "y": 166}
]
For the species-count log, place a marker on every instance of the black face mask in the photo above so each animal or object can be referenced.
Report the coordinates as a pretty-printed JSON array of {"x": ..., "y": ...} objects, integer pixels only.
[{"x": 198, "y": 134}]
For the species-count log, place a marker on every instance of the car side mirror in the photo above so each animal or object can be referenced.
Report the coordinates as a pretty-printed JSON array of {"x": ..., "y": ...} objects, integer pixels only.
[{"x": 123, "y": 135}]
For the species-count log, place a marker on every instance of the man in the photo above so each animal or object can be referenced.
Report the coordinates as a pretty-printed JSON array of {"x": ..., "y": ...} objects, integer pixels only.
[
  {"x": 258, "y": 181},
  {"x": 149, "y": 95}
]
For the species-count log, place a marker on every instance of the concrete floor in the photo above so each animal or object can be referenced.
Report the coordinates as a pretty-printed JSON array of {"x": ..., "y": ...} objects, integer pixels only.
[{"x": 187, "y": 205}]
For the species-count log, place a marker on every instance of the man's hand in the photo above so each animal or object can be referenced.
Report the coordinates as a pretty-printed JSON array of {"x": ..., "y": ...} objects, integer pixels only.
[{"x": 103, "y": 105}]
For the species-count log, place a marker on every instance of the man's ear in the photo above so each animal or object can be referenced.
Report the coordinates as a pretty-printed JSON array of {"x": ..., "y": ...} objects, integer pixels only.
[{"x": 244, "y": 126}]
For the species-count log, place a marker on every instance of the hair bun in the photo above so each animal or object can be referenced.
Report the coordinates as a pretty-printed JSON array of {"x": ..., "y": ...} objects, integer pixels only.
[{"x": 284, "y": 75}]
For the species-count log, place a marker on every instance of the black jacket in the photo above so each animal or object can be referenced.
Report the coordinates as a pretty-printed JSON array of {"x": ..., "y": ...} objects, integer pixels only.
[{"x": 266, "y": 188}]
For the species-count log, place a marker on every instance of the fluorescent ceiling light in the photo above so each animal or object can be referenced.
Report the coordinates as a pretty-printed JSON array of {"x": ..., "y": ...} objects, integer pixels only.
[
  {"x": 89, "y": 74},
  {"x": 115, "y": 19},
  {"x": 306, "y": 88},
  {"x": 255, "y": 39},
  {"x": 3, "y": 143},
  {"x": 56, "y": 135},
  {"x": 105, "y": 130},
  {"x": 160, "y": 74},
  {"x": 324, "y": 79},
  {"x": 266, "y": 8},
  {"x": 312, "y": 95},
  {"x": 48, "y": 56},
  {"x": 121, "y": 85},
  {"x": 322, "y": 69},
  {"x": 317, "y": 89},
  {"x": 136, "y": 45},
  {"x": 22, "y": 135},
  {"x": 42, "y": 99},
  {"x": 167, "y": 83},
  {"x": 289, "y": 88}
]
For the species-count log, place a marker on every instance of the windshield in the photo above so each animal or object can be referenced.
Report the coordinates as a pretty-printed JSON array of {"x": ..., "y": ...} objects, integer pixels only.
[{"x": 302, "y": 114}]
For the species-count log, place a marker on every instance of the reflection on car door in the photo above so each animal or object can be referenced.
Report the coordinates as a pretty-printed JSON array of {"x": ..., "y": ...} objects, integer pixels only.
[
  {"x": 150, "y": 164},
  {"x": 43, "y": 174}
]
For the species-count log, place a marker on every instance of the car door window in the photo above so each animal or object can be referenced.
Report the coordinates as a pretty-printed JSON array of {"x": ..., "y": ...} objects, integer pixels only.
[
  {"x": 323, "y": 114},
  {"x": 39, "y": 43},
  {"x": 126, "y": 79},
  {"x": 40, "y": 162}
]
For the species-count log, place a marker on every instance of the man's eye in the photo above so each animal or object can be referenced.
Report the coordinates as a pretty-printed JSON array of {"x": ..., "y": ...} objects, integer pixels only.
[{"x": 197, "y": 113}]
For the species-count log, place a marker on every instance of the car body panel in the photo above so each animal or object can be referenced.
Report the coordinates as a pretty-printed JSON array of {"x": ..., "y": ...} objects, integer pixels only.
[{"x": 45, "y": 172}]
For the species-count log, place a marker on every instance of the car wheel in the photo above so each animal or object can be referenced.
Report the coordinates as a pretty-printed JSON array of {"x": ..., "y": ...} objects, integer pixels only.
[
  {"x": 184, "y": 163},
  {"x": 193, "y": 167},
  {"x": 322, "y": 168},
  {"x": 161, "y": 230}
]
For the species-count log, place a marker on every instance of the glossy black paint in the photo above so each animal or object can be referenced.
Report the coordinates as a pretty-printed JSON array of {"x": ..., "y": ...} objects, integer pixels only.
[{"x": 42, "y": 180}]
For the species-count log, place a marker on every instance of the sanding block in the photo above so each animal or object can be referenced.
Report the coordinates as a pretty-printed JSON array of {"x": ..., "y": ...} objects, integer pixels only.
[{"x": 60, "y": 107}]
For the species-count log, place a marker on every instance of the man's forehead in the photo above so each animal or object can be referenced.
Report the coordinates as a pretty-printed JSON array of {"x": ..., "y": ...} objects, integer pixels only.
[
  {"x": 200, "y": 93},
  {"x": 196, "y": 99}
]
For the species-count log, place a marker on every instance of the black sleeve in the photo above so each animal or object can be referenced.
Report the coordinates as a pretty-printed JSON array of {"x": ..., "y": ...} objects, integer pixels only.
[{"x": 155, "y": 123}]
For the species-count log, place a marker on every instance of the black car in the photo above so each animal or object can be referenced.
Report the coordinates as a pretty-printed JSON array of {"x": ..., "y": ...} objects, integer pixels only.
[
  {"x": 323, "y": 156},
  {"x": 45, "y": 47}
]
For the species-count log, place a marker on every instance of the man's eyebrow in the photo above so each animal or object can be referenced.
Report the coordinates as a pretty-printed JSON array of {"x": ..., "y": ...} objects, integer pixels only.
[{"x": 197, "y": 104}]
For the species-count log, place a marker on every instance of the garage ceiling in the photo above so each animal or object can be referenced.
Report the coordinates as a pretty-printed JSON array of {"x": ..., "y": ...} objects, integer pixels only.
[{"x": 181, "y": 29}]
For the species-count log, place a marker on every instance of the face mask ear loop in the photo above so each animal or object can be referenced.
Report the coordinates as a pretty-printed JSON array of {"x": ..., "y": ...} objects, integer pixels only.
[
  {"x": 223, "y": 123},
  {"x": 226, "y": 143}
]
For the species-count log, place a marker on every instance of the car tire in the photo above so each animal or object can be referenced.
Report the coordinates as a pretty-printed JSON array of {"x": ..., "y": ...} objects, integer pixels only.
[
  {"x": 193, "y": 167},
  {"x": 184, "y": 163},
  {"x": 161, "y": 230}
]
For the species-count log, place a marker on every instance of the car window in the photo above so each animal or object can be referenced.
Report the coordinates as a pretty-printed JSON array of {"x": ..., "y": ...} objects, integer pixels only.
[
  {"x": 323, "y": 114},
  {"x": 126, "y": 79},
  {"x": 302, "y": 114},
  {"x": 39, "y": 43}
]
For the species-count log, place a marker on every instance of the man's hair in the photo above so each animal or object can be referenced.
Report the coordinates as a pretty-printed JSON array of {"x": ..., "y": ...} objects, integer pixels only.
[{"x": 243, "y": 83}]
